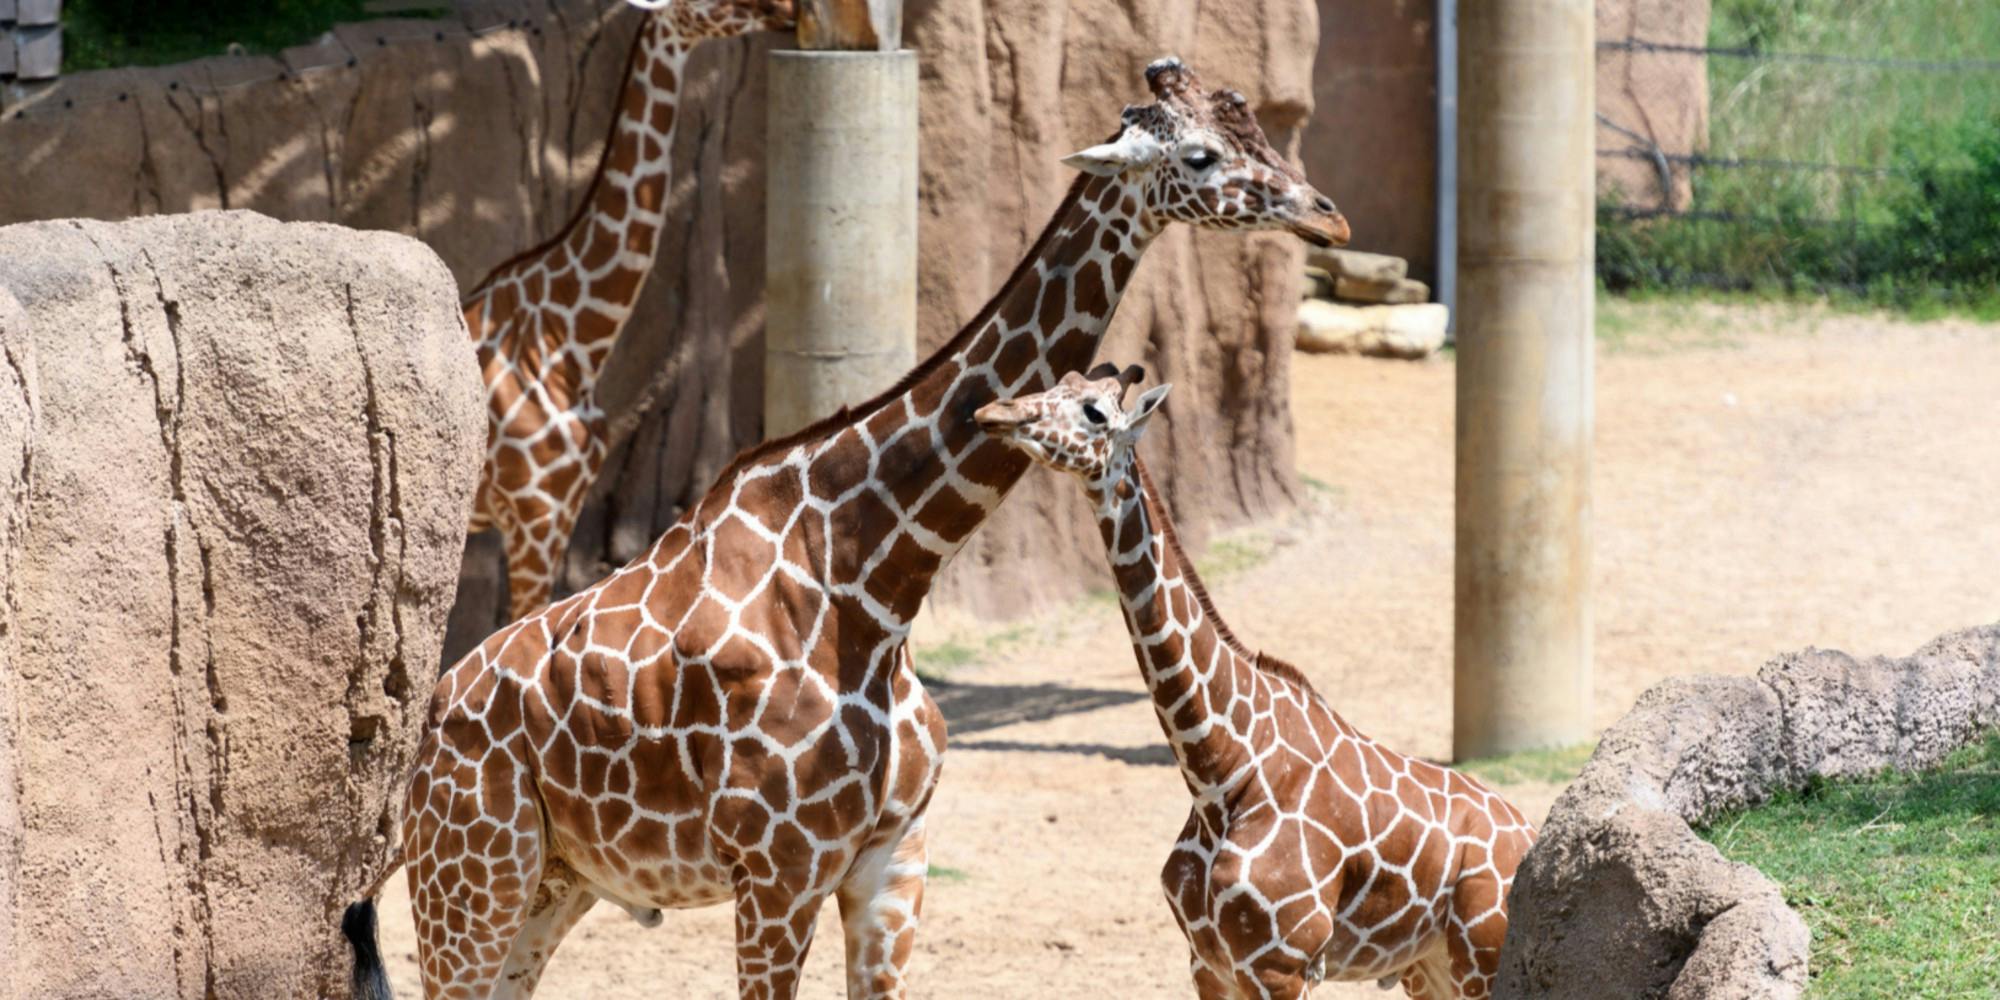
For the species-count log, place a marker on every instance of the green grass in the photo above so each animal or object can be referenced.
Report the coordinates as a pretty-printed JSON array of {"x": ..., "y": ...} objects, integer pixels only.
[
  {"x": 101, "y": 34},
  {"x": 1925, "y": 237},
  {"x": 939, "y": 873},
  {"x": 1226, "y": 557},
  {"x": 1556, "y": 766},
  {"x": 1897, "y": 875}
]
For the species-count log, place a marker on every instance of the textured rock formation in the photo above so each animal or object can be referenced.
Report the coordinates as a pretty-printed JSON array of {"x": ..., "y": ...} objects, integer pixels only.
[
  {"x": 1620, "y": 898},
  {"x": 1651, "y": 101},
  {"x": 480, "y": 143},
  {"x": 235, "y": 463}
]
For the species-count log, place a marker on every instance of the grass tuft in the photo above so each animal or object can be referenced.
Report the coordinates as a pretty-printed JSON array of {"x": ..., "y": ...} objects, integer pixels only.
[
  {"x": 1555, "y": 766},
  {"x": 1897, "y": 875}
]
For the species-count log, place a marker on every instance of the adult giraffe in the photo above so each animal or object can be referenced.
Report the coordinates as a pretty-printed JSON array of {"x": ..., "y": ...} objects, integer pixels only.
[
  {"x": 1312, "y": 852},
  {"x": 734, "y": 716},
  {"x": 546, "y": 319}
]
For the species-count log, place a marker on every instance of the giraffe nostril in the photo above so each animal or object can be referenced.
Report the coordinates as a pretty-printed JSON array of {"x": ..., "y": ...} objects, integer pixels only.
[{"x": 1324, "y": 204}]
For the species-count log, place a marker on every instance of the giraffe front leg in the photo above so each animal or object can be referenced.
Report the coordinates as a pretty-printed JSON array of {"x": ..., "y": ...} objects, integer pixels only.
[
  {"x": 774, "y": 931},
  {"x": 880, "y": 901}
]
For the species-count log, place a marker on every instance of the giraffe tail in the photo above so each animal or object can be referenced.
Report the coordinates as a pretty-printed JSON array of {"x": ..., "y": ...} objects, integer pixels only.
[{"x": 371, "y": 979}]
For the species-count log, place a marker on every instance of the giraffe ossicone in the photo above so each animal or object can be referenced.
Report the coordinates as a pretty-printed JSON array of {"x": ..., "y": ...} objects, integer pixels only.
[
  {"x": 734, "y": 717},
  {"x": 545, "y": 320},
  {"x": 1311, "y": 852}
]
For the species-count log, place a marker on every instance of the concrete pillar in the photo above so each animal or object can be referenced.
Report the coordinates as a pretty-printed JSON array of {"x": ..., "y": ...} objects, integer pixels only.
[
  {"x": 841, "y": 231},
  {"x": 1525, "y": 316}
]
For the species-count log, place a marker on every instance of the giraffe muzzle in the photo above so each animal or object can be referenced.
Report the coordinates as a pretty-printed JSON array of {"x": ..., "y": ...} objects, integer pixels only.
[{"x": 999, "y": 417}]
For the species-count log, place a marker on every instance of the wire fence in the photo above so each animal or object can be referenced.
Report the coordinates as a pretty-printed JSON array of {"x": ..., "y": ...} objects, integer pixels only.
[{"x": 1801, "y": 170}]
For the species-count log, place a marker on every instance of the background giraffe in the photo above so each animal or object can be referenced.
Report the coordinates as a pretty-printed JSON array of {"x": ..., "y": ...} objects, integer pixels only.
[
  {"x": 545, "y": 320},
  {"x": 1312, "y": 852},
  {"x": 734, "y": 716}
]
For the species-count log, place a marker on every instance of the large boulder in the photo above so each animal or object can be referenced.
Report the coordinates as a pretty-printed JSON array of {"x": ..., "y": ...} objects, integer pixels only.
[
  {"x": 1619, "y": 897},
  {"x": 236, "y": 458}
]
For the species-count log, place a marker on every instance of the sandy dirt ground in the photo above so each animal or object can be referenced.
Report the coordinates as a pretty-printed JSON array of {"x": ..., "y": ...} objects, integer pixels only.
[{"x": 1766, "y": 479}]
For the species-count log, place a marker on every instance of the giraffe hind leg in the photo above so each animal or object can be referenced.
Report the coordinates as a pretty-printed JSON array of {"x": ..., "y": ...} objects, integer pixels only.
[{"x": 474, "y": 874}]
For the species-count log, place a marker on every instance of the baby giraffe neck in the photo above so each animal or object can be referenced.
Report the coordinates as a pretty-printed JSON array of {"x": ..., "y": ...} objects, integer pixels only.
[{"x": 1203, "y": 682}]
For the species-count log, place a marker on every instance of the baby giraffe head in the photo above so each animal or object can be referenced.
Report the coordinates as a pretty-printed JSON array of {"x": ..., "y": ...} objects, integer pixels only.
[
  {"x": 695, "y": 20},
  {"x": 1080, "y": 426},
  {"x": 1201, "y": 158}
]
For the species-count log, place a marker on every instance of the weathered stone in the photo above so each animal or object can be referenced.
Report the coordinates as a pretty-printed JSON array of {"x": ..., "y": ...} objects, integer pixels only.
[
  {"x": 236, "y": 458},
  {"x": 1356, "y": 265},
  {"x": 1400, "y": 292},
  {"x": 1619, "y": 897},
  {"x": 1319, "y": 283},
  {"x": 1403, "y": 331}
]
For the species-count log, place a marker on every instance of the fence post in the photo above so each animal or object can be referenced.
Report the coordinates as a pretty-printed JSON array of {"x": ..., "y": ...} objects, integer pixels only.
[
  {"x": 1522, "y": 653},
  {"x": 37, "y": 39},
  {"x": 840, "y": 249}
]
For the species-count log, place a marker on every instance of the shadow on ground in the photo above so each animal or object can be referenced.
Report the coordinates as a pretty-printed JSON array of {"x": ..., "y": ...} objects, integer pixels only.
[{"x": 975, "y": 708}]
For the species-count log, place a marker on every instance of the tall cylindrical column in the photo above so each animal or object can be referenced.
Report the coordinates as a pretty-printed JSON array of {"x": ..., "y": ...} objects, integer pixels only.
[
  {"x": 1525, "y": 301},
  {"x": 841, "y": 231}
]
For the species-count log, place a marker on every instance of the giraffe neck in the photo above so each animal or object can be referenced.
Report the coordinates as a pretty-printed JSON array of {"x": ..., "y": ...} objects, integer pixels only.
[
  {"x": 932, "y": 477},
  {"x": 614, "y": 238},
  {"x": 1206, "y": 686}
]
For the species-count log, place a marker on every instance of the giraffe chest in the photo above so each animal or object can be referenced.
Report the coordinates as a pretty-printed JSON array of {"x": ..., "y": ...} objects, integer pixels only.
[
  {"x": 1347, "y": 882},
  {"x": 703, "y": 770}
]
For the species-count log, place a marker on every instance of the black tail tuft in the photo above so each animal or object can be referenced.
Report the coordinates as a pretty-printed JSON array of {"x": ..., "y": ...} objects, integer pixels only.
[{"x": 371, "y": 980}]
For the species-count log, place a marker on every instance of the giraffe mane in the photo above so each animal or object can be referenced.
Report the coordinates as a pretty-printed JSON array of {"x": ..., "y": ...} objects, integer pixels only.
[
  {"x": 845, "y": 415},
  {"x": 1264, "y": 662},
  {"x": 585, "y": 202}
]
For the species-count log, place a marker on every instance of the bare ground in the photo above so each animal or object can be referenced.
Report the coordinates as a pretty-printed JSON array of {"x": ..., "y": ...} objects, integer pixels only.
[{"x": 1766, "y": 479}]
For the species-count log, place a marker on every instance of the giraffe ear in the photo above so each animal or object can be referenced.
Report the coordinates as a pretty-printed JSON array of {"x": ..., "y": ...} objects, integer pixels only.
[
  {"x": 1134, "y": 147},
  {"x": 1143, "y": 410}
]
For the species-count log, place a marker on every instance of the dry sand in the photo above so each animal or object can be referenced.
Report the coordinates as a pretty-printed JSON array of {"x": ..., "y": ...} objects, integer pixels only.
[{"x": 1766, "y": 479}]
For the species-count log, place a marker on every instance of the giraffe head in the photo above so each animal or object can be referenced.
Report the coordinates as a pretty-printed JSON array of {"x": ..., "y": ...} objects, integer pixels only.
[
  {"x": 695, "y": 20},
  {"x": 1080, "y": 426},
  {"x": 1205, "y": 162}
]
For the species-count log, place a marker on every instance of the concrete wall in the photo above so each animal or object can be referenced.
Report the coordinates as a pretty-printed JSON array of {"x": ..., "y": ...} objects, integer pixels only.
[{"x": 1373, "y": 136}]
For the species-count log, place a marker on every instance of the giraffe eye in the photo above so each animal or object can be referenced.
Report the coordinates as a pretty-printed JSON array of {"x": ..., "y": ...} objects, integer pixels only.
[
  {"x": 1200, "y": 159},
  {"x": 1092, "y": 413}
]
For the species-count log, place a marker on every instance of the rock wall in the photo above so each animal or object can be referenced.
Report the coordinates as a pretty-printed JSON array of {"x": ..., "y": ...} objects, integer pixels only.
[
  {"x": 1651, "y": 101},
  {"x": 1619, "y": 897},
  {"x": 236, "y": 459},
  {"x": 477, "y": 135}
]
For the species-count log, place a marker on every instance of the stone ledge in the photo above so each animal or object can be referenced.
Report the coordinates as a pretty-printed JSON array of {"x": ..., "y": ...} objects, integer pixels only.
[{"x": 1619, "y": 897}]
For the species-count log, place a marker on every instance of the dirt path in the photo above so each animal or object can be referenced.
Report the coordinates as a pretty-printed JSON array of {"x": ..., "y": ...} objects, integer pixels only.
[{"x": 1766, "y": 479}]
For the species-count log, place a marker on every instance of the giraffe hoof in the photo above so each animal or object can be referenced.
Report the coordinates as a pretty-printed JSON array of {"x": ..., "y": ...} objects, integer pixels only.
[{"x": 650, "y": 918}]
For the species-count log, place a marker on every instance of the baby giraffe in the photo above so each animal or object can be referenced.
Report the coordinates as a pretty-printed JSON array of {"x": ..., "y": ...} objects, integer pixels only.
[{"x": 1311, "y": 852}]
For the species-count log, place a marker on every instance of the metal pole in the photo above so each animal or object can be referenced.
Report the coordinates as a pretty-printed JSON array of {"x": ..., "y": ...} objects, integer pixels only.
[
  {"x": 1525, "y": 292},
  {"x": 841, "y": 231},
  {"x": 1446, "y": 287}
]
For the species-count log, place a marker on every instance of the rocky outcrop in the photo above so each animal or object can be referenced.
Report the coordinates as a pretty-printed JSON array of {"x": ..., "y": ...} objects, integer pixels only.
[
  {"x": 478, "y": 135},
  {"x": 1619, "y": 897},
  {"x": 236, "y": 459},
  {"x": 1651, "y": 102}
]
